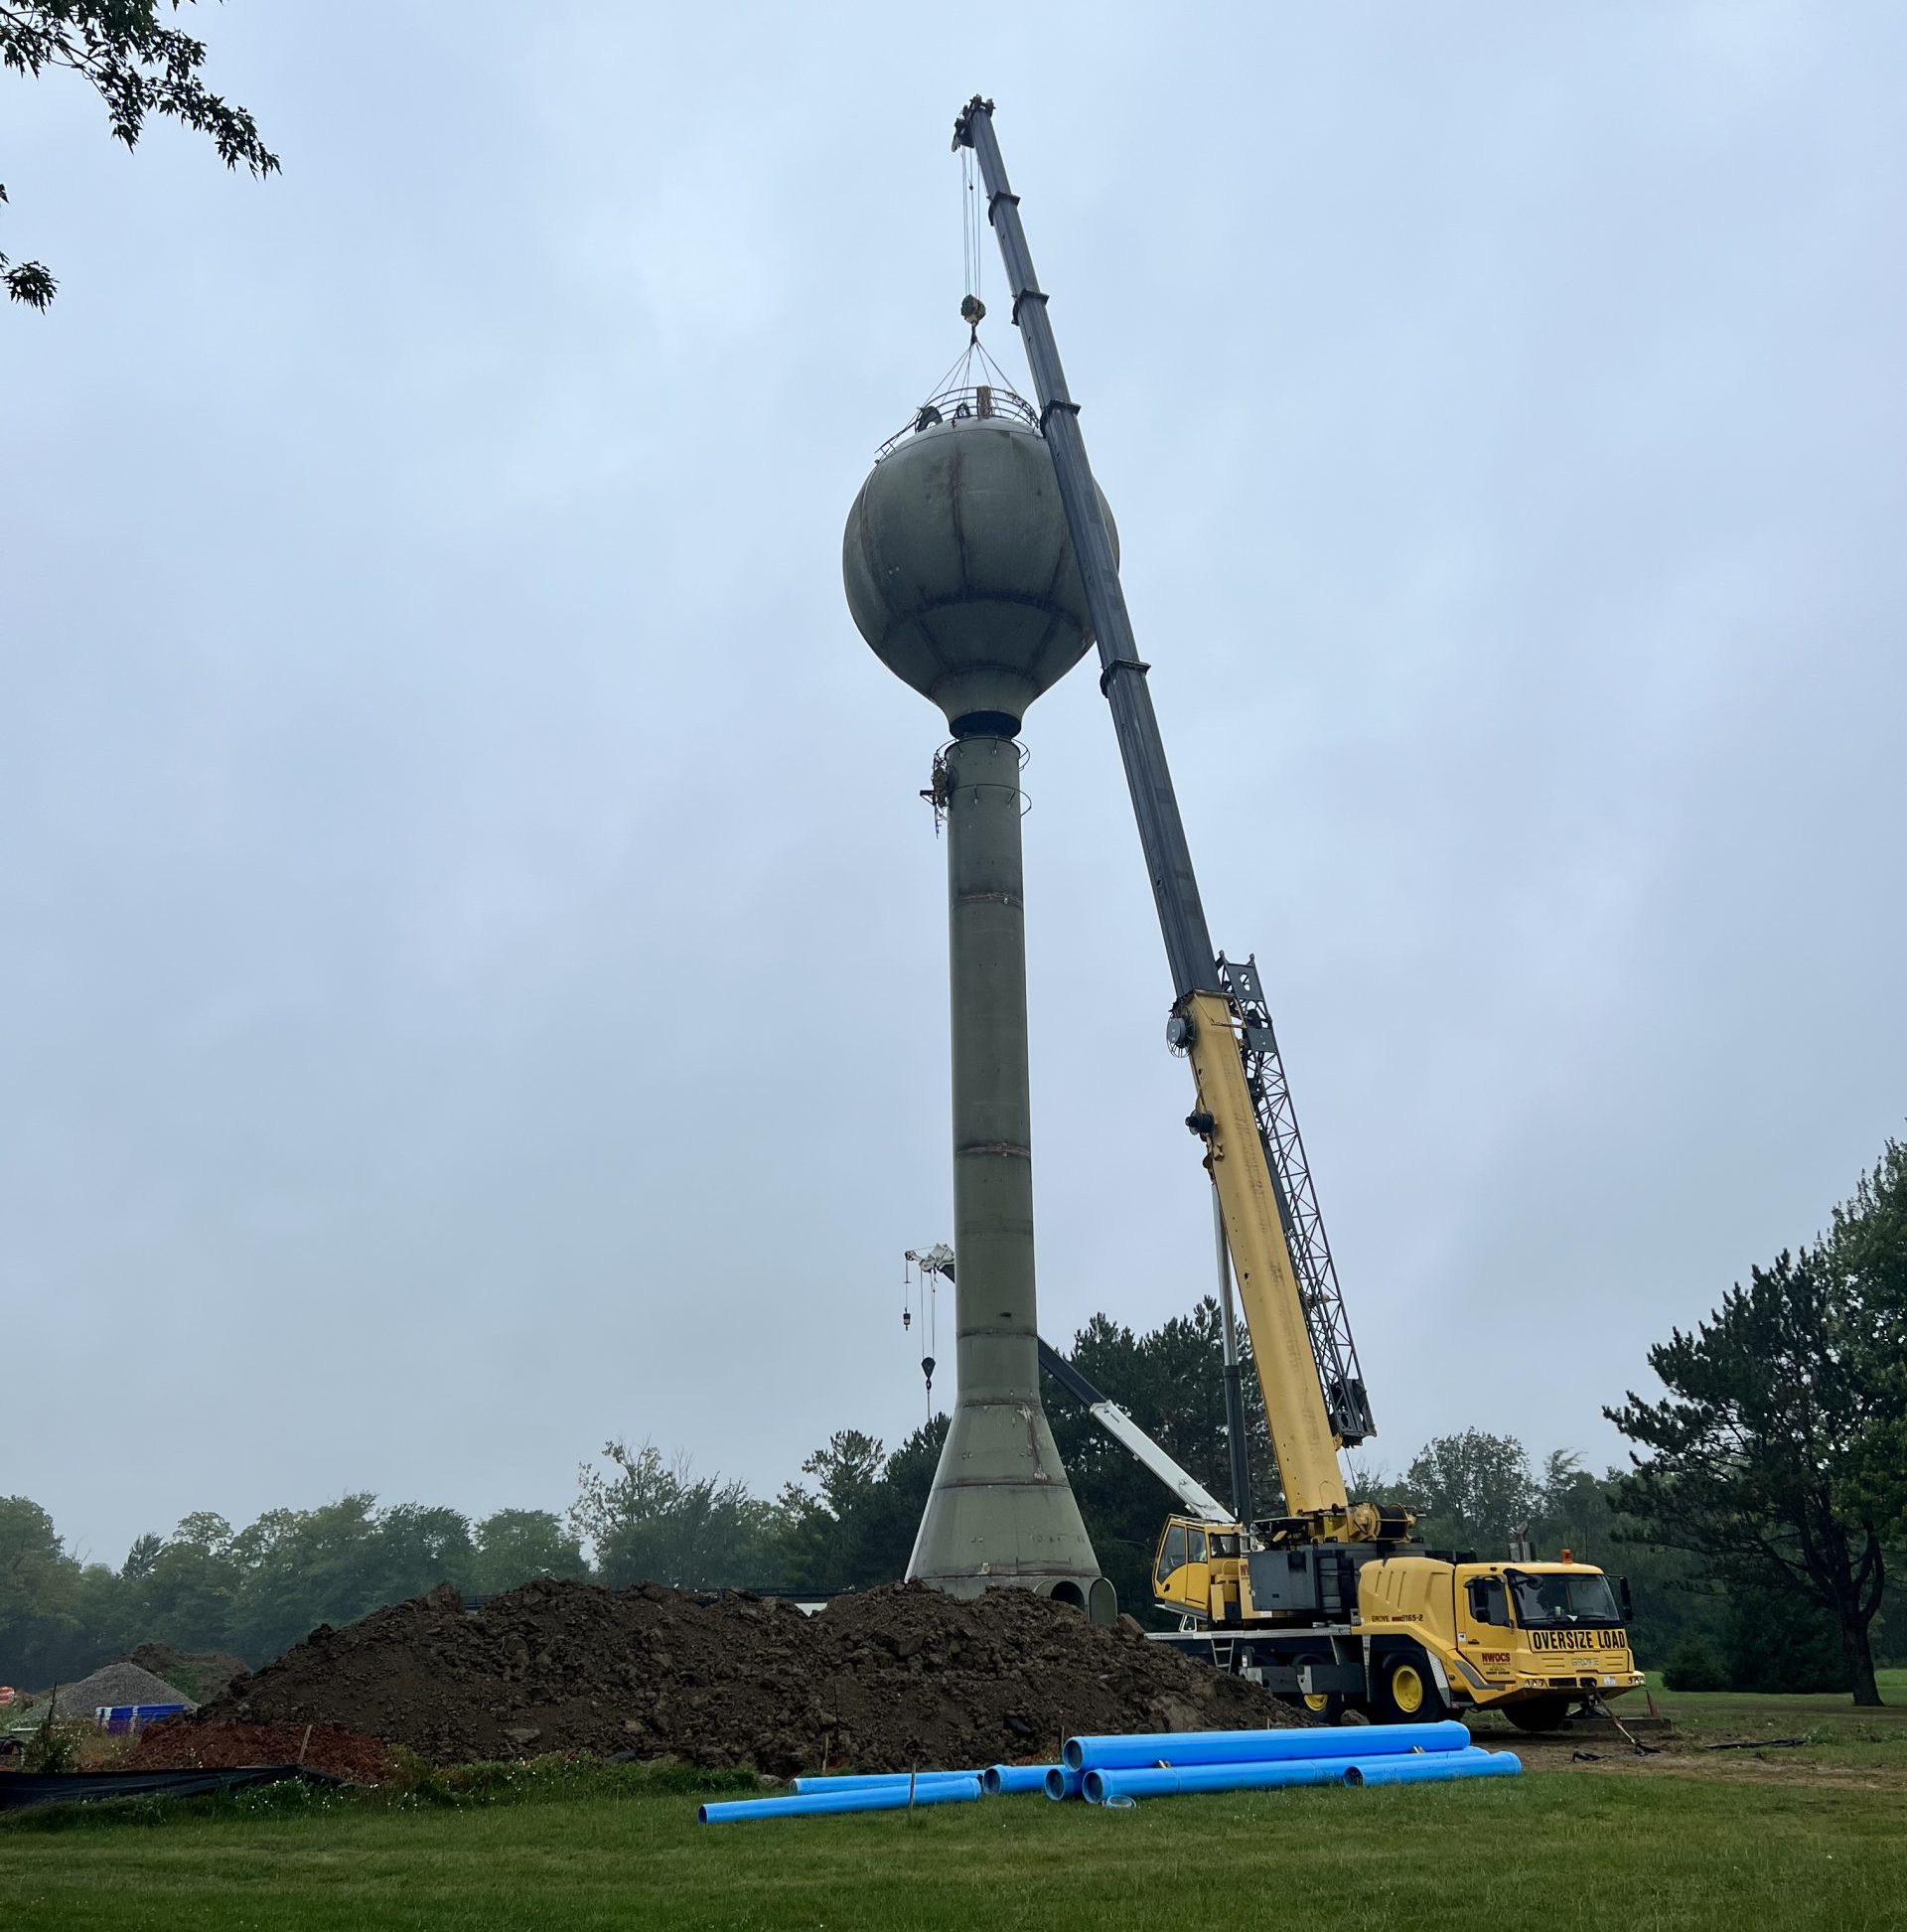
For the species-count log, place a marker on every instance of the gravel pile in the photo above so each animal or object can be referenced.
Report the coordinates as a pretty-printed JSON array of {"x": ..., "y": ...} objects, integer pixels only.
[
  {"x": 880, "y": 1680},
  {"x": 120, "y": 1683}
]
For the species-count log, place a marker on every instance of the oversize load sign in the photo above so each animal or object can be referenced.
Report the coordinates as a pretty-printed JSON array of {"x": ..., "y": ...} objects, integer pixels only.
[{"x": 1579, "y": 1639}]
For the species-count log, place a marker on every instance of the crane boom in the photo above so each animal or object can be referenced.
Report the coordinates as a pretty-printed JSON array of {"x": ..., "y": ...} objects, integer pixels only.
[
  {"x": 1188, "y": 945},
  {"x": 1205, "y": 1023},
  {"x": 1193, "y": 1494}
]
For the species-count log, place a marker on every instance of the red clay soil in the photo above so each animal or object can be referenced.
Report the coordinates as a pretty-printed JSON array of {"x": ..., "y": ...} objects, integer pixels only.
[
  {"x": 185, "y": 1745},
  {"x": 880, "y": 1680}
]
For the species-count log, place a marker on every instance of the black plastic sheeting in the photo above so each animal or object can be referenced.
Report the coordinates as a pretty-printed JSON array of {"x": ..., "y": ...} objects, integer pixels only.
[{"x": 21, "y": 1788}]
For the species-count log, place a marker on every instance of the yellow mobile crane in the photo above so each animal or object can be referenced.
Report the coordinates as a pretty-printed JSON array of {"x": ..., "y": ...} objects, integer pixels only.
[{"x": 1335, "y": 1598}]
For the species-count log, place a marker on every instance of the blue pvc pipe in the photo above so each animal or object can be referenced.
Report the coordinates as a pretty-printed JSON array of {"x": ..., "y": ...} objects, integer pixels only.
[
  {"x": 1062, "y": 1782},
  {"x": 871, "y": 1780},
  {"x": 1167, "y": 1781},
  {"x": 1441, "y": 1765},
  {"x": 815, "y": 1804},
  {"x": 1115, "y": 1753},
  {"x": 1009, "y": 1778}
]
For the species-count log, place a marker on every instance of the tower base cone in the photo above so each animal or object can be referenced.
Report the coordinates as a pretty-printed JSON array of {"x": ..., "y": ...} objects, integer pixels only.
[{"x": 1001, "y": 1513}]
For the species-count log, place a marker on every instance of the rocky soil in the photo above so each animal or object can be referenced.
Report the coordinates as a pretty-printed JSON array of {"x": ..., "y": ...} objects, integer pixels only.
[{"x": 880, "y": 1680}]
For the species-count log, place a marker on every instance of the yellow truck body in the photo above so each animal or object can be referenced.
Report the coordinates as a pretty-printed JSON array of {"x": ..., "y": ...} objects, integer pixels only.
[{"x": 1401, "y": 1634}]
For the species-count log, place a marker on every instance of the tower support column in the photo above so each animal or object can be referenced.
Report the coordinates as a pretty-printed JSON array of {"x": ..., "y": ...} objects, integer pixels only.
[{"x": 1001, "y": 1510}]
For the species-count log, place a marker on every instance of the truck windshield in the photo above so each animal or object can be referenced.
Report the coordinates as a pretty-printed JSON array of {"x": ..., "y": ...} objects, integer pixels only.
[{"x": 1547, "y": 1602}]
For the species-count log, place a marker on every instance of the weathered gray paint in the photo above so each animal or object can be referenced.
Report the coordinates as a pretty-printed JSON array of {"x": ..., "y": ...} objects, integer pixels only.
[
  {"x": 960, "y": 574},
  {"x": 958, "y": 570},
  {"x": 1001, "y": 1509}
]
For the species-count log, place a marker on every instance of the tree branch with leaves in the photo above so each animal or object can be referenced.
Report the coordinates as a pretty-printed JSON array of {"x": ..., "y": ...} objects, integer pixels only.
[{"x": 140, "y": 67}]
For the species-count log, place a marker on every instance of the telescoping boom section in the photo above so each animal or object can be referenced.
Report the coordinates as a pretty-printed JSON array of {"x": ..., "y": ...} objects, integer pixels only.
[
  {"x": 1334, "y": 1601},
  {"x": 1204, "y": 1023}
]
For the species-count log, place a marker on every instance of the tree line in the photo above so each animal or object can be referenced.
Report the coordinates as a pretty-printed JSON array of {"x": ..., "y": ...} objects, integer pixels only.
[{"x": 1766, "y": 1488}]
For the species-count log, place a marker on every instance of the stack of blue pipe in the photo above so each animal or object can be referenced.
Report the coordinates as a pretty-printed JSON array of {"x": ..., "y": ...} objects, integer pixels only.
[{"x": 1119, "y": 1770}]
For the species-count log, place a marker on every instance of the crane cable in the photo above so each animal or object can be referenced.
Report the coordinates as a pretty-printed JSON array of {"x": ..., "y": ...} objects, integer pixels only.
[
  {"x": 929, "y": 1285},
  {"x": 973, "y": 247},
  {"x": 959, "y": 377}
]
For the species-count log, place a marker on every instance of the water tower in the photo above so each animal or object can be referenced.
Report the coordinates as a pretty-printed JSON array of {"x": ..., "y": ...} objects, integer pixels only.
[{"x": 961, "y": 574}]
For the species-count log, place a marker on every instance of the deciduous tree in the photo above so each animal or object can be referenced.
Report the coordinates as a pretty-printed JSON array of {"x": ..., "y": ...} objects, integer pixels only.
[
  {"x": 514, "y": 1546},
  {"x": 821, "y": 1530},
  {"x": 1472, "y": 1490},
  {"x": 139, "y": 66},
  {"x": 652, "y": 1520}
]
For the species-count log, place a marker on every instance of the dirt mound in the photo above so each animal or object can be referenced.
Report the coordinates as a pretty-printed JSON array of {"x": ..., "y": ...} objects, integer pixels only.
[
  {"x": 181, "y": 1746},
  {"x": 881, "y": 1679},
  {"x": 199, "y": 1674}
]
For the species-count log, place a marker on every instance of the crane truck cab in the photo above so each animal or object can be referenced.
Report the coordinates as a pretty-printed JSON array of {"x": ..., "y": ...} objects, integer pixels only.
[{"x": 1394, "y": 1631}]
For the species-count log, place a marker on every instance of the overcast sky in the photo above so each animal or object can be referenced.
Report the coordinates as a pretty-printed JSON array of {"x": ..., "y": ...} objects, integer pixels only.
[{"x": 475, "y": 965}]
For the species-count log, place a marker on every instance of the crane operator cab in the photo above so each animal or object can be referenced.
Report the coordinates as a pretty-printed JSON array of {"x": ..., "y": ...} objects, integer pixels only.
[{"x": 1398, "y": 1633}]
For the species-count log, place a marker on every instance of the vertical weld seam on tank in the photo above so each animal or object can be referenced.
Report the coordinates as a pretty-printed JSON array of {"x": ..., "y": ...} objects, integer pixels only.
[
  {"x": 1055, "y": 615},
  {"x": 955, "y": 466}
]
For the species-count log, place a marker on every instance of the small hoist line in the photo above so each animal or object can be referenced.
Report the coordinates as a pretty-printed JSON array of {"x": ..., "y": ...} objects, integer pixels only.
[
  {"x": 960, "y": 375},
  {"x": 931, "y": 1313},
  {"x": 929, "y": 1287},
  {"x": 973, "y": 251}
]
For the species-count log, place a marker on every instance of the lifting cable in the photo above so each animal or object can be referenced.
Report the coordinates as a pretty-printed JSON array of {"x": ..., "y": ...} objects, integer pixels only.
[
  {"x": 929, "y": 1287},
  {"x": 960, "y": 377},
  {"x": 972, "y": 243}
]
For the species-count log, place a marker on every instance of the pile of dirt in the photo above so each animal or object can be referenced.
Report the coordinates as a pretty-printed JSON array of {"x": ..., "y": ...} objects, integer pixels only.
[
  {"x": 881, "y": 1679},
  {"x": 176, "y": 1746},
  {"x": 120, "y": 1683},
  {"x": 199, "y": 1674}
]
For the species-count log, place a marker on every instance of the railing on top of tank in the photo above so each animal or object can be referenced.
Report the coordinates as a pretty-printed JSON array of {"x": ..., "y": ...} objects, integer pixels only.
[{"x": 963, "y": 405}]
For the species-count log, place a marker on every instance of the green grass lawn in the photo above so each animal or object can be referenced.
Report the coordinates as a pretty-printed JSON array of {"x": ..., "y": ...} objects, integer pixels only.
[
  {"x": 1836, "y": 1733},
  {"x": 1567, "y": 1851},
  {"x": 1832, "y": 1724}
]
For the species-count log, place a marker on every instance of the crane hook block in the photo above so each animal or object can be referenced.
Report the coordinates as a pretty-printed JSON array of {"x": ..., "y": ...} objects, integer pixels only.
[{"x": 972, "y": 311}]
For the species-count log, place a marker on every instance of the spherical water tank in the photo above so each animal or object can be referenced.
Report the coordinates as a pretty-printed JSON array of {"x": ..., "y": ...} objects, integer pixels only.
[{"x": 960, "y": 573}]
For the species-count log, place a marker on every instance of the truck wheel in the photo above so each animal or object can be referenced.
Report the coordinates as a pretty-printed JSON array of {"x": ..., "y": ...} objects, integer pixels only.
[
  {"x": 1536, "y": 1713},
  {"x": 1407, "y": 1691},
  {"x": 1327, "y": 1705}
]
